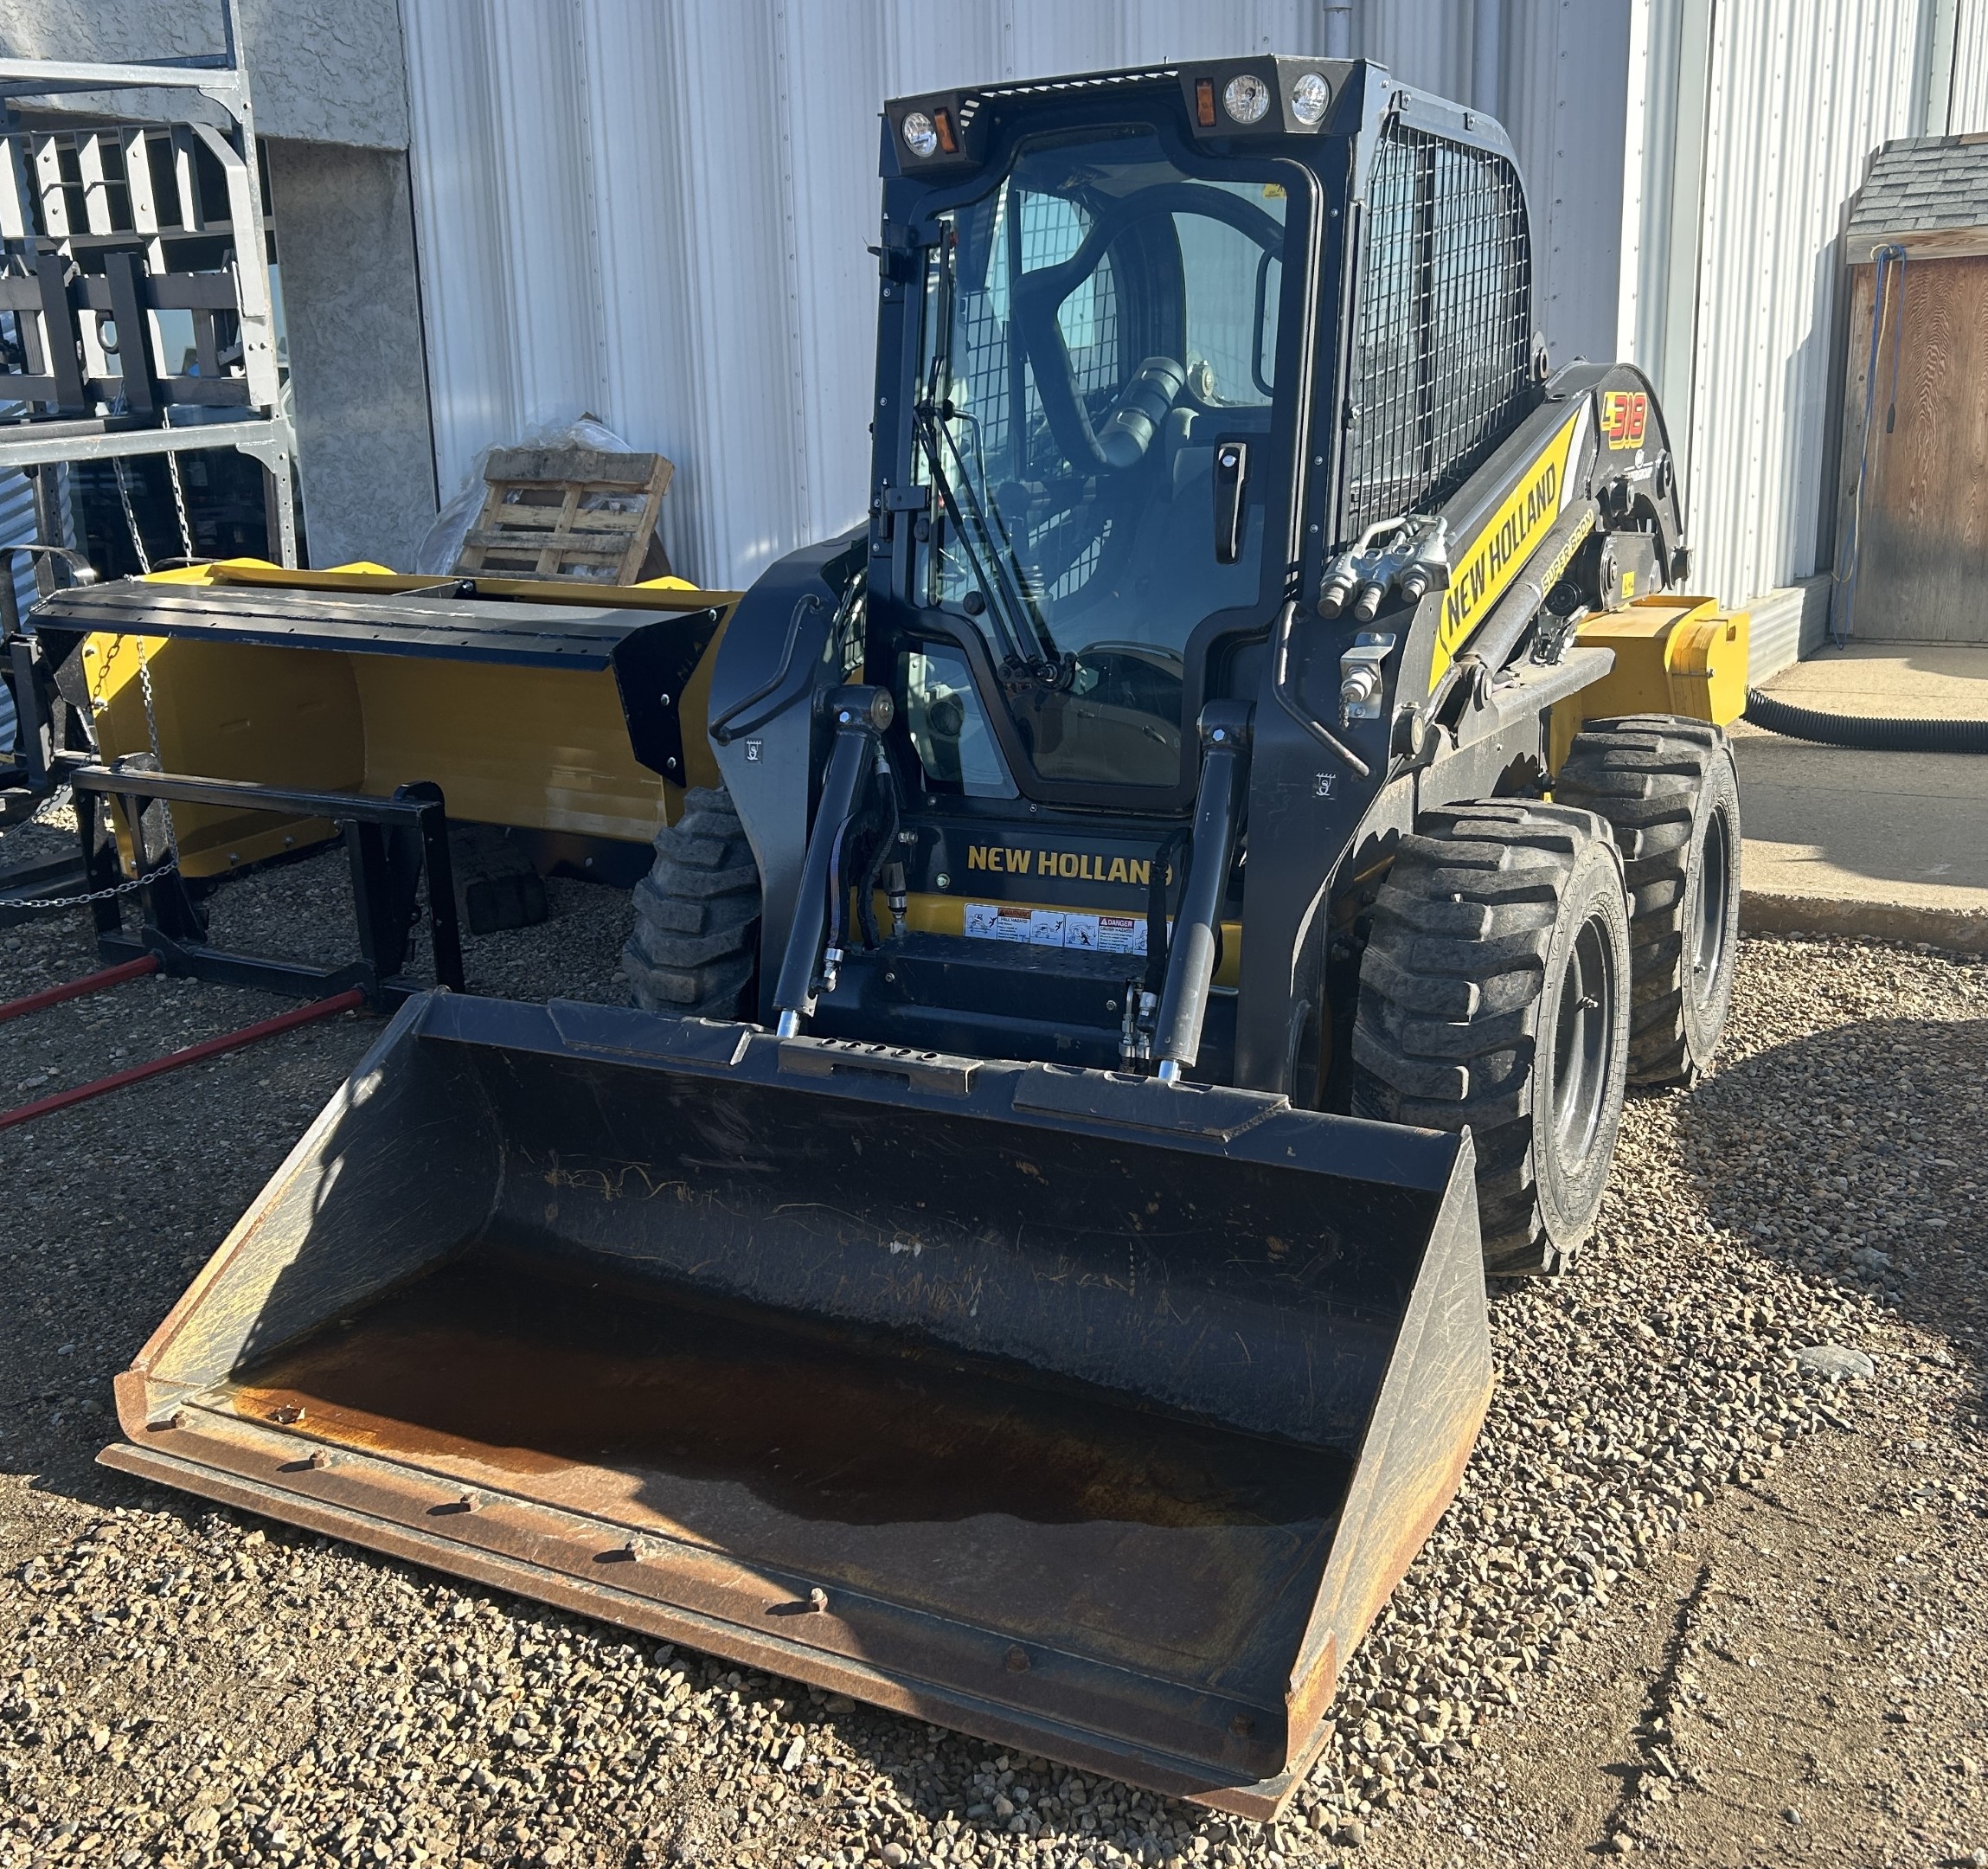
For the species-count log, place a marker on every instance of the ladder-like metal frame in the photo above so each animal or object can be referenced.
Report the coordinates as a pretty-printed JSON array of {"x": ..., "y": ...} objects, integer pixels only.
[{"x": 266, "y": 435}]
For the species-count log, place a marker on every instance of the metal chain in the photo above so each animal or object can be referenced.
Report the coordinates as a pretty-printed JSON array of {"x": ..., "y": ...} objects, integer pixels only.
[
  {"x": 179, "y": 504},
  {"x": 131, "y": 518},
  {"x": 82, "y": 898},
  {"x": 159, "y": 759},
  {"x": 144, "y": 668}
]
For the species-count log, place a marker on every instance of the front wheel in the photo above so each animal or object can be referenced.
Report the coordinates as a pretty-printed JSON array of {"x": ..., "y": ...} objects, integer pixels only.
[
  {"x": 1494, "y": 993},
  {"x": 1668, "y": 789}
]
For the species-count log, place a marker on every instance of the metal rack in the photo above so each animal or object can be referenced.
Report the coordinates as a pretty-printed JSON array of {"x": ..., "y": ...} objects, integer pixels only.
[{"x": 106, "y": 229}]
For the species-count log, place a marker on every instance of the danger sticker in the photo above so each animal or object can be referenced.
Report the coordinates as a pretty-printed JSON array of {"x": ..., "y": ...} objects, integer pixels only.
[{"x": 1057, "y": 928}]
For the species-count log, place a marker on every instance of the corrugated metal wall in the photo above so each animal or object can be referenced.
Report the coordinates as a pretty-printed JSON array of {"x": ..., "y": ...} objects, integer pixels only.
[
  {"x": 1426, "y": 41},
  {"x": 1800, "y": 94},
  {"x": 1967, "y": 98},
  {"x": 1559, "y": 90},
  {"x": 16, "y": 528},
  {"x": 656, "y": 211}
]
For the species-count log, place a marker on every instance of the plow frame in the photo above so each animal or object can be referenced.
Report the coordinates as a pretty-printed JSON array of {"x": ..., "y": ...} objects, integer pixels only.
[{"x": 392, "y": 842}]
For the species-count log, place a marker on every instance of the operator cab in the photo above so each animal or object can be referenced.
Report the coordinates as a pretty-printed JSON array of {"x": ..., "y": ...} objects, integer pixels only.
[
  {"x": 1101, "y": 349},
  {"x": 1113, "y": 324},
  {"x": 1100, "y": 330},
  {"x": 1091, "y": 362}
]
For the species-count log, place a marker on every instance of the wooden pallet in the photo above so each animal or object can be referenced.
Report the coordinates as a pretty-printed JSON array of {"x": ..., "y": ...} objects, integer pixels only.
[{"x": 571, "y": 513}]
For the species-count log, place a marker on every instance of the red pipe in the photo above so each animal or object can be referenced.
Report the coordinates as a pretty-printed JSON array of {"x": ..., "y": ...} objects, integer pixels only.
[
  {"x": 75, "y": 989},
  {"x": 190, "y": 1055}
]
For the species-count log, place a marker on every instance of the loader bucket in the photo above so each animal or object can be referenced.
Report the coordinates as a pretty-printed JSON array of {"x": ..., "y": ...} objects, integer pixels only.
[{"x": 1093, "y": 1415}]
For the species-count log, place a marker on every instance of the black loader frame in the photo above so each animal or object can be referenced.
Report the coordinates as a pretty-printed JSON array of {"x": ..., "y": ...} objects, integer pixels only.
[{"x": 394, "y": 845}]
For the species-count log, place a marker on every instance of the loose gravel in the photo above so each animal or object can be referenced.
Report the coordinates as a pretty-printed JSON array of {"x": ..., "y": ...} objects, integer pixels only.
[{"x": 1790, "y": 1254}]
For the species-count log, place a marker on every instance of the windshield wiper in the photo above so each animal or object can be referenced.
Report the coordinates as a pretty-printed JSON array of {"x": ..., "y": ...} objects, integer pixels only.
[
  {"x": 1026, "y": 641},
  {"x": 1016, "y": 622}
]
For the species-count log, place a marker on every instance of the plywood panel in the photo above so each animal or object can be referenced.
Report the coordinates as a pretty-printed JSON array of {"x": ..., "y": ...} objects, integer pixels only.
[{"x": 1923, "y": 531}]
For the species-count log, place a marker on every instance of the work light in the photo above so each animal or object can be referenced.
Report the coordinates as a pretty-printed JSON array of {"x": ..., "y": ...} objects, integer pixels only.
[
  {"x": 1246, "y": 98},
  {"x": 1309, "y": 97}
]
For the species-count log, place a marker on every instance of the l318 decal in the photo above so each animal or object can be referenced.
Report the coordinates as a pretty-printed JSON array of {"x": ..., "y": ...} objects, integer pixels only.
[{"x": 1624, "y": 414}]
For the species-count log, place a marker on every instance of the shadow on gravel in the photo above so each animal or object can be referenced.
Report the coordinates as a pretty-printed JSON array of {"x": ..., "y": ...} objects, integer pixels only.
[{"x": 1855, "y": 1153}]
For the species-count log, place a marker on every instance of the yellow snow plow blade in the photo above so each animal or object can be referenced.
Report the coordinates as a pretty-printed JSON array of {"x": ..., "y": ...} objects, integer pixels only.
[{"x": 554, "y": 709}]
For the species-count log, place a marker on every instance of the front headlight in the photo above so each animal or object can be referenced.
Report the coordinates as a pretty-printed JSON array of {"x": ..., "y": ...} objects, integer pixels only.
[
  {"x": 1309, "y": 97},
  {"x": 1246, "y": 98},
  {"x": 920, "y": 133}
]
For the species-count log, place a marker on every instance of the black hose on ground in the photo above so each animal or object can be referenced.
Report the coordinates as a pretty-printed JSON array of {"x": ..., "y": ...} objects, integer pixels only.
[{"x": 1864, "y": 733}]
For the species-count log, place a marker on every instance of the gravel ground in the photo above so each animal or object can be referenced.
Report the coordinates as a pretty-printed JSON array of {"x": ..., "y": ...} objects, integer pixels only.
[{"x": 1717, "y": 1559}]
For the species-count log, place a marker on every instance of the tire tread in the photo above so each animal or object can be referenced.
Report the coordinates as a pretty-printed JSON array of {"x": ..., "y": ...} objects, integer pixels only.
[
  {"x": 1451, "y": 988},
  {"x": 694, "y": 947}
]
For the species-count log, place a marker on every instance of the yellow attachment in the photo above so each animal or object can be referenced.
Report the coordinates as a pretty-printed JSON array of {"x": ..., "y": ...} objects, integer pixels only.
[
  {"x": 364, "y": 575},
  {"x": 1673, "y": 655},
  {"x": 542, "y": 749}
]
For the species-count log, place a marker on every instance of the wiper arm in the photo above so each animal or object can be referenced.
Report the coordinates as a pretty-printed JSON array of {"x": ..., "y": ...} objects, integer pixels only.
[
  {"x": 1016, "y": 620},
  {"x": 1022, "y": 633}
]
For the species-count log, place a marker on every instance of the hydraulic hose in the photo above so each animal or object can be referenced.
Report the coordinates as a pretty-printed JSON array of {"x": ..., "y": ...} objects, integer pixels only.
[{"x": 1865, "y": 733}]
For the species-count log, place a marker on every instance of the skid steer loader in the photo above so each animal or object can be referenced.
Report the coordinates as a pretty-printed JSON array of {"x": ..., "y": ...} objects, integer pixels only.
[{"x": 1187, "y": 882}]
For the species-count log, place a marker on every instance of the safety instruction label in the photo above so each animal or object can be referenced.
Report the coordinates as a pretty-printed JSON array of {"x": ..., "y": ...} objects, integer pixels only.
[{"x": 1057, "y": 928}]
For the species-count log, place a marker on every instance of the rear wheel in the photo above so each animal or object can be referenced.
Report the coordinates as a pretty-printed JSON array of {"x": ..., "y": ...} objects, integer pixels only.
[
  {"x": 1494, "y": 993},
  {"x": 1667, "y": 788},
  {"x": 694, "y": 949}
]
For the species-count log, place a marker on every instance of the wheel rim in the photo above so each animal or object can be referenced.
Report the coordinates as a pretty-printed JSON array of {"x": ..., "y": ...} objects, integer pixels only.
[
  {"x": 1584, "y": 1042},
  {"x": 1709, "y": 919}
]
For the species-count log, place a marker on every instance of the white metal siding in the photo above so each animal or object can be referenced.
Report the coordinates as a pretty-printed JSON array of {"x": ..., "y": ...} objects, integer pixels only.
[
  {"x": 1561, "y": 83},
  {"x": 1801, "y": 92},
  {"x": 1423, "y": 43},
  {"x": 656, "y": 211},
  {"x": 1562, "y": 92},
  {"x": 1967, "y": 98},
  {"x": 658, "y": 214}
]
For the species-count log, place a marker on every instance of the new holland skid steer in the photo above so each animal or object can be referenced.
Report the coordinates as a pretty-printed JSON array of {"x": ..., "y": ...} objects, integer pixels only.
[{"x": 1187, "y": 882}]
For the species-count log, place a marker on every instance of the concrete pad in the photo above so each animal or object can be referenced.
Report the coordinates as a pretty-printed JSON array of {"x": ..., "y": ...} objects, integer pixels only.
[
  {"x": 1885, "y": 844},
  {"x": 1898, "y": 681}
]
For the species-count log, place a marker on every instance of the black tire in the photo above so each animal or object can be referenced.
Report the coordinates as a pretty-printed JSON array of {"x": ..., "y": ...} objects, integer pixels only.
[
  {"x": 694, "y": 949},
  {"x": 1668, "y": 789},
  {"x": 1493, "y": 994}
]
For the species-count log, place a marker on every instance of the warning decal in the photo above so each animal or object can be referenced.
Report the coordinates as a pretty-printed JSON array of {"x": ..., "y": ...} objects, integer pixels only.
[{"x": 1057, "y": 927}]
